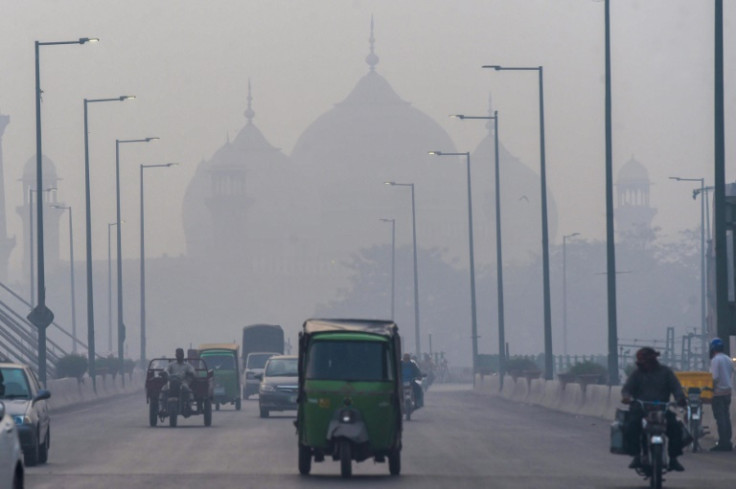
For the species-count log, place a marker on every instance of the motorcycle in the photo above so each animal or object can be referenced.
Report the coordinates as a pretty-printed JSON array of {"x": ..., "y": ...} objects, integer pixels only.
[
  {"x": 410, "y": 401},
  {"x": 176, "y": 398},
  {"x": 694, "y": 417},
  {"x": 654, "y": 460}
]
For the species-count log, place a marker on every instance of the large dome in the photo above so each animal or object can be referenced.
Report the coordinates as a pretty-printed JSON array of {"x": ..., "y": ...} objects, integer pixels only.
[{"x": 48, "y": 169}]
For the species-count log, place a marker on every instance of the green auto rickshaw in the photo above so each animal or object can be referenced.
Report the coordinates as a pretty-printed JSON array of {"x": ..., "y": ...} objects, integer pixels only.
[
  {"x": 223, "y": 359},
  {"x": 350, "y": 391}
]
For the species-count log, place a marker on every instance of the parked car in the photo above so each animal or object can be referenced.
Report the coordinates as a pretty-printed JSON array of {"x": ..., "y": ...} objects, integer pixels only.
[
  {"x": 26, "y": 402},
  {"x": 279, "y": 384},
  {"x": 254, "y": 364},
  {"x": 11, "y": 456}
]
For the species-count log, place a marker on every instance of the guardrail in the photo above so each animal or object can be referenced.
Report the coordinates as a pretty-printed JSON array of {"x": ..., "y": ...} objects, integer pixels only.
[{"x": 70, "y": 391}]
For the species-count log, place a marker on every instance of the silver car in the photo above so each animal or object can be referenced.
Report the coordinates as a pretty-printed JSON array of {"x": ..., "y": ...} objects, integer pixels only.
[
  {"x": 11, "y": 456},
  {"x": 25, "y": 401},
  {"x": 279, "y": 385}
]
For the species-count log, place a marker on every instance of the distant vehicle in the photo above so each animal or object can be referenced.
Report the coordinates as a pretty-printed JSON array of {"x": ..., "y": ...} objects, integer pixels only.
[
  {"x": 262, "y": 338},
  {"x": 25, "y": 401},
  {"x": 279, "y": 385},
  {"x": 11, "y": 456},
  {"x": 254, "y": 364},
  {"x": 222, "y": 358}
]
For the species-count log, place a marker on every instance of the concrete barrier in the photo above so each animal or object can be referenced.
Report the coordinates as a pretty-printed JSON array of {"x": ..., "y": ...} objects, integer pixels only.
[
  {"x": 521, "y": 390},
  {"x": 536, "y": 391}
]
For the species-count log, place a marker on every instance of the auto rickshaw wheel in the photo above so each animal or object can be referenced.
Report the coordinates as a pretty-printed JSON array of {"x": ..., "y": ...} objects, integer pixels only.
[
  {"x": 172, "y": 413},
  {"x": 153, "y": 412},
  {"x": 305, "y": 460},
  {"x": 346, "y": 467},
  {"x": 217, "y": 406},
  {"x": 207, "y": 412},
  {"x": 394, "y": 462},
  {"x": 237, "y": 404}
]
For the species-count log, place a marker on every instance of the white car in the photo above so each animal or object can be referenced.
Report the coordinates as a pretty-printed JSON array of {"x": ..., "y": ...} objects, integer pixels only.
[
  {"x": 11, "y": 456},
  {"x": 254, "y": 364}
]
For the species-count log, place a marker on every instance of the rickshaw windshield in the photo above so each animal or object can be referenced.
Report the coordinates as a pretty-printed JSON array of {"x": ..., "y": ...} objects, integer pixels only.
[
  {"x": 349, "y": 360},
  {"x": 220, "y": 361}
]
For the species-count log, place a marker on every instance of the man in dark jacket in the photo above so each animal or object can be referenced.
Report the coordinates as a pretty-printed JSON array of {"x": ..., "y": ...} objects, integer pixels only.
[{"x": 652, "y": 381}]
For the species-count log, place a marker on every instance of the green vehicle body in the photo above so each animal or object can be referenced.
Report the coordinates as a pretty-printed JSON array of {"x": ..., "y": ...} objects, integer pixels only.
[
  {"x": 353, "y": 364},
  {"x": 223, "y": 360}
]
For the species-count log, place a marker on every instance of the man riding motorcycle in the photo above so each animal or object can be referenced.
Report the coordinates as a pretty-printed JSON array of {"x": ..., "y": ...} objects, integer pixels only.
[
  {"x": 410, "y": 372},
  {"x": 652, "y": 381},
  {"x": 181, "y": 371}
]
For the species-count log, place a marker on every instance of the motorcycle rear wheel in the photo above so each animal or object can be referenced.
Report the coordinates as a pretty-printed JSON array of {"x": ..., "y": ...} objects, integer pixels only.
[
  {"x": 153, "y": 412},
  {"x": 346, "y": 463},
  {"x": 172, "y": 413}
]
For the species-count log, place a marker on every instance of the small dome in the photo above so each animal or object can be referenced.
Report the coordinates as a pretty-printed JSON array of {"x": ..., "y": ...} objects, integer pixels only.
[
  {"x": 632, "y": 172},
  {"x": 48, "y": 168}
]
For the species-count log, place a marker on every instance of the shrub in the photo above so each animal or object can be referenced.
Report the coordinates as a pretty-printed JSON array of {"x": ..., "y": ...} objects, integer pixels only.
[
  {"x": 589, "y": 368},
  {"x": 72, "y": 365},
  {"x": 520, "y": 364}
]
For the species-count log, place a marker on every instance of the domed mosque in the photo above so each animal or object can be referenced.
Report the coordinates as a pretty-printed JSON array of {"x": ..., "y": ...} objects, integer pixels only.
[{"x": 634, "y": 213}]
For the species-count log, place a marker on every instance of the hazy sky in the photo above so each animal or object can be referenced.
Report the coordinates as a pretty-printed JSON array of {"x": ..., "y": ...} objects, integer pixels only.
[{"x": 189, "y": 62}]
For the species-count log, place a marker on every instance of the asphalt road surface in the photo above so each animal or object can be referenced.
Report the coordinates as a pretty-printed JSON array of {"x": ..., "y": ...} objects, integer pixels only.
[{"x": 461, "y": 439}]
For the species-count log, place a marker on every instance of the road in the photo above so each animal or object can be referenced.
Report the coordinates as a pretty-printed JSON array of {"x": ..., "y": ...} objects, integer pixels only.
[{"x": 461, "y": 439}]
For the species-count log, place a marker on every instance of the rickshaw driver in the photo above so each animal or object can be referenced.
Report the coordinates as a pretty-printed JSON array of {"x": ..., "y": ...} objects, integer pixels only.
[
  {"x": 181, "y": 370},
  {"x": 410, "y": 372}
]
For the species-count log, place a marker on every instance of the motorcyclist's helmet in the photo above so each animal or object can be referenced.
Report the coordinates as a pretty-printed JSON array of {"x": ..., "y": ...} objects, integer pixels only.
[{"x": 716, "y": 344}]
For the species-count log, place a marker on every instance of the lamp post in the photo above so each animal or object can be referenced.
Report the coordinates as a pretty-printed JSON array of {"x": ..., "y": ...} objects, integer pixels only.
[
  {"x": 499, "y": 248},
  {"x": 474, "y": 326},
  {"x": 109, "y": 285},
  {"x": 88, "y": 228},
  {"x": 548, "y": 360},
  {"x": 143, "y": 265},
  {"x": 121, "y": 325},
  {"x": 564, "y": 290},
  {"x": 417, "y": 337},
  {"x": 30, "y": 239},
  {"x": 71, "y": 270},
  {"x": 393, "y": 261},
  {"x": 703, "y": 326},
  {"x": 41, "y": 316}
]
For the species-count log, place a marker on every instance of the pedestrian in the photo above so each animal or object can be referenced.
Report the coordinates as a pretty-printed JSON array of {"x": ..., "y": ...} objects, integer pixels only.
[{"x": 721, "y": 367}]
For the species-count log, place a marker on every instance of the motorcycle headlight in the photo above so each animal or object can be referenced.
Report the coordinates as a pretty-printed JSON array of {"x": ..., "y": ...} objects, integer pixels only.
[{"x": 21, "y": 420}]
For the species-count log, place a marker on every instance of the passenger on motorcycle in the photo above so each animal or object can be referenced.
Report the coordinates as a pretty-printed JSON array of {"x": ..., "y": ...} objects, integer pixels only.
[
  {"x": 652, "y": 381},
  {"x": 410, "y": 372},
  {"x": 182, "y": 371}
]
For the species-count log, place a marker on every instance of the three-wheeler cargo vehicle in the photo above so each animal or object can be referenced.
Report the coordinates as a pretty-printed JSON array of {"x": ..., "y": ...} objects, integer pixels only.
[{"x": 350, "y": 393}]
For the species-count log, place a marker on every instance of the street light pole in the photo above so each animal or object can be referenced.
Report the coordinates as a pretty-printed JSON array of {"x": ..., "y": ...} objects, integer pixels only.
[
  {"x": 393, "y": 262},
  {"x": 109, "y": 285},
  {"x": 548, "y": 359},
  {"x": 417, "y": 337},
  {"x": 703, "y": 325},
  {"x": 41, "y": 316},
  {"x": 121, "y": 324},
  {"x": 88, "y": 228},
  {"x": 143, "y": 265},
  {"x": 71, "y": 269},
  {"x": 499, "y": 247},
  {"x": 564, "y": 290},
  {"x": 474, "y": 326},
  {"x": 31, "y": 190}
]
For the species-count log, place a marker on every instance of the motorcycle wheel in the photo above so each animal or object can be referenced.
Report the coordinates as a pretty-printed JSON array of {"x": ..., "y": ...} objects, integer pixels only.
[
  {"x": 394, "y": 462},
  {"x": 153, "y": 413},
  {"x": 346, "y": 465},
  {"x": 172, "y": 413},
  {"x": 695, "y": 433},
  {"x": 655, "y": 481},
  {"x": 207, "y": 412},
  {"x": 237, "y": 404},
  {"x": 407, "y": 410},
  {"x": 305, "y": 460}
]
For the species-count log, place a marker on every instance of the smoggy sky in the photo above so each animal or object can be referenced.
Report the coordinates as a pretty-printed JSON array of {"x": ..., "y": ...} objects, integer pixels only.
[{"x": 189, "y": 62}]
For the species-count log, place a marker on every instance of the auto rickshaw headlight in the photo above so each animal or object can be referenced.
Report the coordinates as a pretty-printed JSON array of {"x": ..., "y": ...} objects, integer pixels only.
[{"x": 346, "y": 416}]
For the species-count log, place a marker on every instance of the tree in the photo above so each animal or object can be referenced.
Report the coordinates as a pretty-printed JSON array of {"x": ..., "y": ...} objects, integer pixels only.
[{"x": 72, "y": 365}]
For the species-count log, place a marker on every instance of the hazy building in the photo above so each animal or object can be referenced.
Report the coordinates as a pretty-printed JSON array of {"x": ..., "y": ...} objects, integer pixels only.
[{"x": 634, "y": 213}]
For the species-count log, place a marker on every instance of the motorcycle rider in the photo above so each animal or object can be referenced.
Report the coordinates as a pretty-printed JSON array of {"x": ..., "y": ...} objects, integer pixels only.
[
  {"x": 652, "y": 381},
  {"x": 721, "y": 367},
  {"x": 410, "y": 372},
  {"x": 182, "y": 371}
]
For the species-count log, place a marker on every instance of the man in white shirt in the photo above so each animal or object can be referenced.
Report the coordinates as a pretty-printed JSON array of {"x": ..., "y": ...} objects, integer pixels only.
[{"x": 721, "y": 367}]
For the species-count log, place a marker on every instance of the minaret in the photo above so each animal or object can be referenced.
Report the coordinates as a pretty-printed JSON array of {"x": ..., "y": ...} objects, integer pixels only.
[{"x": 6, "y": 244}]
